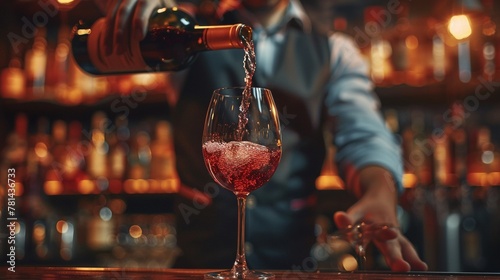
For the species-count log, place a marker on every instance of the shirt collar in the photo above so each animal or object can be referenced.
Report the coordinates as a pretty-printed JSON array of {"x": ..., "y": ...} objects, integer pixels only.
[
  {"x": 295, "y": 16},
  {"x": 296, "y": 13}
]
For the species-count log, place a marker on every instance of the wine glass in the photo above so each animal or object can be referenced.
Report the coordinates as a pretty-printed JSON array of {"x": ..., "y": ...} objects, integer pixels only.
[
  {"x": 358, "y": 236},
  {"x": 241, "y": 148}
]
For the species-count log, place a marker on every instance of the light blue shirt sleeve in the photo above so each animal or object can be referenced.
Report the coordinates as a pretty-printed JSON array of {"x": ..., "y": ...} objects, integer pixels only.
[{"x": 361, "y": 135}]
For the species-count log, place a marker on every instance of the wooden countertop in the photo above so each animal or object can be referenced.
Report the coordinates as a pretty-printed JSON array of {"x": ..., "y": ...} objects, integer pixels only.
[{"x": 56, "y": 273}]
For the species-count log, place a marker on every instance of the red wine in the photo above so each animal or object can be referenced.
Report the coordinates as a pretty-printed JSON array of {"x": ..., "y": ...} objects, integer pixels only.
[
  {"x": 249, "y": 65},
  {"x": 240, "y": 166},
  {"x": 172, "y": 42}
]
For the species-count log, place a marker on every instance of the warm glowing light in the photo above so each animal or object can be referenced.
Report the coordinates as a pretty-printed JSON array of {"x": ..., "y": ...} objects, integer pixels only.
[
  {"x": 65, "y": 2},
  {"x": 409, "y": 180},
  {"x": 19, "y": 189},
  {"x": 128, "y": 186},
  {"x": 39, "y": 232},
  {"x": 459, "y": 27},
  {"x": 148, "y": 80},
  {"x": 170, "y": 185},
  {"x": 411, "y": 42},
  {"x": 483, "y": 179},
  {"x": 494, "y": 178},
  {"x": 324, "y": 182},
  {"x": 62, "y": 226},
  {"x": 489, "y": 28},
  {"x": 53, "y": 187},
  {"x": 62, "y": 52},
  {"x": 380, "y": 51},
  {"x": 439, "y": 57},
  {"x": 348, "y": 263},
  {"x": 41, "y": 150},
  {"x": 98, "y": 136},
  {"x": 12, "y": 82},
  {"x": 18, "y": 228},
  {"x": 86, "y": 186},
  {"x": 135, "y": 231},
  {"x": 83, "y": 31},
  {"x": 136, "y": 186}
]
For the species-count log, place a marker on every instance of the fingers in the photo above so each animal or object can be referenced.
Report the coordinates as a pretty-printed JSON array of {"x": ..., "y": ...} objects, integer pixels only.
[
  {"x": 400, "y": 255},
  {"x": 126, "y": 22},
  {"x": 386, "y": 233},
  {"x": 393, "y": 256},
  {"x": 342, "y": 220},
  {"x": 111, "y": 8},
  {"x": 122, "y": 25},
  {"x": 142, "y": 12},
  {"x": 411, "y": 255}
]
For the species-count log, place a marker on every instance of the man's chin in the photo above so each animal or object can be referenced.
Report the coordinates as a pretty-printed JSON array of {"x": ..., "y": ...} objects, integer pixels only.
[{"x": 260, "y": 5}]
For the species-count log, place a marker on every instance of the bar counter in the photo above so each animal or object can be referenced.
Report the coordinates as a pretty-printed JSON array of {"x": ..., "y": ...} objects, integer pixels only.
[{"x": 56, "y": 273}]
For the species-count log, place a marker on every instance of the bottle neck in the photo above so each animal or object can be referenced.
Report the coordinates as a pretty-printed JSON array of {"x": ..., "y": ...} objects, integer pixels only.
[{"x": 220, "y": 37}]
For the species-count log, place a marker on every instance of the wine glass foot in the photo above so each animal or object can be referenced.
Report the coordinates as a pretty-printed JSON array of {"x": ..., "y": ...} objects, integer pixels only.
[{"x": 229, "y": 274}]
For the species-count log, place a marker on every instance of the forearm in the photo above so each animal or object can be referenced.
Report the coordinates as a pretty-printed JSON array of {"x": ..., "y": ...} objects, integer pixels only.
[{"x": 377, "y": 196}]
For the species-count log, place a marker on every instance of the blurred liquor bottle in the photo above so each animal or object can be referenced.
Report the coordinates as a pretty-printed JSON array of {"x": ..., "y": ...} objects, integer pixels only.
[
  {"x": 380, "y": 48},
  {"x": 162, "y": 157},
  {"x": 457, "y": 183},
  {"x": 41, "y": 228},
  {"x": 139, "y": 159},
  {"x": 97, "y": 166},
  {"x": 119, "y": 149},
  {"x": 492, "y": 204},
  {"x": 13, "y": 166},
  {"x": 36, "y": 64},
  {"x": 476, "y": 221},
  {"x": 53, "y": 183},
  {"x": 415, "y": 180},
  {"x": 39, "y": 156},
  {"x": 14, "y": 153},
  {"x": 490, "y": 43},
  {"x": 13, "y": 80},
  {"x": 59, "y": 73},
  {"x": 433, "y": 145},
  {"x": 73, "y": 161}
]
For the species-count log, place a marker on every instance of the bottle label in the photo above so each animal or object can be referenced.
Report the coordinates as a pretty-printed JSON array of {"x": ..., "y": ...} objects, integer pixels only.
[
  {"x": 130, "y": 61},
  {"x": 222, "y": 36}
]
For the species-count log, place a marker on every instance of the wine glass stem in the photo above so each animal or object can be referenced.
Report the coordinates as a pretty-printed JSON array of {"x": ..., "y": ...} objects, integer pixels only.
[
  {"x": 240, "y": 264},
  {"x": 360, "y": 248}
]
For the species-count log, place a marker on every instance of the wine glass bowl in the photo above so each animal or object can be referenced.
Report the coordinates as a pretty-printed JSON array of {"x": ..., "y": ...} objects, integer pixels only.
[{"x": 241, "y": 147}]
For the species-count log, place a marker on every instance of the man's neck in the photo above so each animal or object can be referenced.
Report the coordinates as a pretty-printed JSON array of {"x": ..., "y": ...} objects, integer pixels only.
[{"x": 270, "y": 16}]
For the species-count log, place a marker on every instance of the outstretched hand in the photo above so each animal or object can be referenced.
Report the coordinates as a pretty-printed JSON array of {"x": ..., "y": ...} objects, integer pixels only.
[
  {"x": 399, "y": 253},
  {"x": 377, "y": 205}
]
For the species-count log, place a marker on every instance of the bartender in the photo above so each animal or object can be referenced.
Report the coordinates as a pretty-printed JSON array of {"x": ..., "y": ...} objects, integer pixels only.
[{"x": 319, "y": 81}]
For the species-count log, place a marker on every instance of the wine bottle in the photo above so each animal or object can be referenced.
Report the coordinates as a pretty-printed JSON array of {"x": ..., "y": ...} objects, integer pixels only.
[
  {"x": 97, "y": 166},
  {"x": 172, "y": 42}
]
